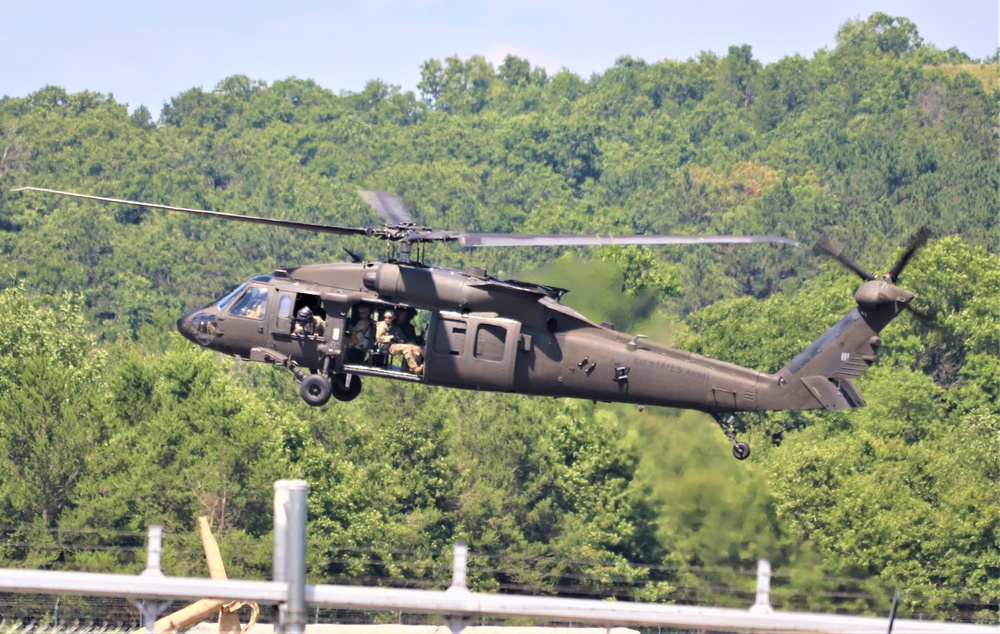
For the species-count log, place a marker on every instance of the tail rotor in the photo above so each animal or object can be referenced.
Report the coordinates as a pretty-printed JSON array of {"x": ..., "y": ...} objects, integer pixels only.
[{"x": 827, "y": 246}]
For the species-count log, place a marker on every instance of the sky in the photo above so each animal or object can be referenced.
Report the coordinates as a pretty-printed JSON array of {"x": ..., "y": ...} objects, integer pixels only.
[{"x": 147, "y": 52}]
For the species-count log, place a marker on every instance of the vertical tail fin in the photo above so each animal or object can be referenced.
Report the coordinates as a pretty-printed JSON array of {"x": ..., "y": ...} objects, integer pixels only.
[{"x": 820, "y": 376}]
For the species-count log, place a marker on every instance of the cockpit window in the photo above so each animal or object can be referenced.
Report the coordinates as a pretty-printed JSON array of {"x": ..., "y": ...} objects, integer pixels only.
[
  {"x": 252, "y": 304},
  {"x": 229, "y": 297}
]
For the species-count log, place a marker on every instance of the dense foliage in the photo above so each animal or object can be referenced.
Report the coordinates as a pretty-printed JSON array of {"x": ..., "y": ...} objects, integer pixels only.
[{"x": 109, "y": 421}]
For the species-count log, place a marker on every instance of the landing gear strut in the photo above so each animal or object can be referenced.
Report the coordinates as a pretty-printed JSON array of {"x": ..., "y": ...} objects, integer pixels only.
[{"x": 740, "y": 449}]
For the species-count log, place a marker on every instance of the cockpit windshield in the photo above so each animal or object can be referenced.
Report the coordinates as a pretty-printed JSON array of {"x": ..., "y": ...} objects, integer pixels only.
[{"x": 222, "y": 303}]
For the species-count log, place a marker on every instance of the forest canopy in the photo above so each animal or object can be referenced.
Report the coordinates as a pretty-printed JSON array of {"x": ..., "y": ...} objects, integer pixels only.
[{"x": 111, "y": 421}]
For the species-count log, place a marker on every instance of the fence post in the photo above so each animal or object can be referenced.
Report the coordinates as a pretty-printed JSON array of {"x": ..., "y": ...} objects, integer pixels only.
[
  {"x": 290, "y": 552},
  {"x": 154, "y": 545},
  {"x": 150, "y": 609},
  {"x": 762, "y": 604},
  {"x": 459, "y": 564}
]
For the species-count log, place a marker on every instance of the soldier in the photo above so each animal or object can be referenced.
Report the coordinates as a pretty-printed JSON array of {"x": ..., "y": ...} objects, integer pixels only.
[
  {"x": 388, "y": 334},
  {"x": 359, "y": 331},
  {"x": 404, "y": 321},
  {"x": 308, "y": 323}
]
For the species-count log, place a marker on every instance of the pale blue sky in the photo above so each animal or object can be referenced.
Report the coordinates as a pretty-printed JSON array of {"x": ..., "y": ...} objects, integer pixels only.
[{"x": 146, "y": 52}]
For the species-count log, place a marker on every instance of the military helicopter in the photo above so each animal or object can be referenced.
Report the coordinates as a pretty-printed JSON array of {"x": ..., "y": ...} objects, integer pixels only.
[{"x": 485, "y": 333}]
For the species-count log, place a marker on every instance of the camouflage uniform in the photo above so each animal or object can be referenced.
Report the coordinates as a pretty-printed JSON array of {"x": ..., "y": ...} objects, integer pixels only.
[
  {"x": 359, "y": 334},
  {"x": 388, "y": 333}
]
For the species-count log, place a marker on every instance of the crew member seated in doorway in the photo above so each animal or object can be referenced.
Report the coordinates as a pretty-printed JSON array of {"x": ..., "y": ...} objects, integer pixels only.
[
  {"x": 404, "y": 321},
  {"x": 389, "y": 334},
  {"x": 360, "y": 331}
]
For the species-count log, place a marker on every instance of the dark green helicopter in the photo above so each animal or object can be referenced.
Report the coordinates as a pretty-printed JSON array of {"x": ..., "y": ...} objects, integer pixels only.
[{"x": 482, "y": 333}]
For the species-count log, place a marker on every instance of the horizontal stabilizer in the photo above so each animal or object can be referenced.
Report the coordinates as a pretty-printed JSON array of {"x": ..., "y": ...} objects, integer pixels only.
[{"x": 834, "y": 393}]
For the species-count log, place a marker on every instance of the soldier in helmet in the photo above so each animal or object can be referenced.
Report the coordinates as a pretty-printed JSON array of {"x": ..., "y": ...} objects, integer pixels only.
[
  {"x": 404, "y": 321},
  {"x": 388, "y": 334},
  {"x": 308, "y": 323}
]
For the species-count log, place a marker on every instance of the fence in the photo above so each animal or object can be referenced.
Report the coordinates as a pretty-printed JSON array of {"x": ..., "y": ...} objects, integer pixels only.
[{"x": 460, "y": 607}]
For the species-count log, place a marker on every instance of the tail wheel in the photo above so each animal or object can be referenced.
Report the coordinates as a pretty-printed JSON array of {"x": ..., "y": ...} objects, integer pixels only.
[
  {"x": 346, "y": 387},
  {"x": 316, "y": 390},
  {"x": 741, "y": 450}
]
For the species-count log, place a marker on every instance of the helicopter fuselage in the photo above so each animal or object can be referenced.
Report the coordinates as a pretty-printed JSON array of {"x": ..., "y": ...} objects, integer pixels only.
[{"x": 481, "y": 334}]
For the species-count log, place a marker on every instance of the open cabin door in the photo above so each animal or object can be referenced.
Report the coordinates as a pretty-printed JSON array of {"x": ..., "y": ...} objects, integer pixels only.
[
  {"x": 301, "y": 346},
  {"x": 471, "y": 351}
]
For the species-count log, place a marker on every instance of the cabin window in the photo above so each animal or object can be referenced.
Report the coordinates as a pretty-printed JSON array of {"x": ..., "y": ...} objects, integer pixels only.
[
  {"x": 252, "y": 305},
  {"x": 230, "y": 295},
  {"x": 285, "y": 307},
  {"x": 491, "y": 340}
]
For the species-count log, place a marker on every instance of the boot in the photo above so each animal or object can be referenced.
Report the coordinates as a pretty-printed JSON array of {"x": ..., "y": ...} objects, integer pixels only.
[{"x": 419, "y": 370}]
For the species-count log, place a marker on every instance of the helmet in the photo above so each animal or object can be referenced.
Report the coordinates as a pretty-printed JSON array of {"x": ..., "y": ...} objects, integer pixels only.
[
  {"x": 389, "y": 313},
  {"x": 304, "y": 314}
]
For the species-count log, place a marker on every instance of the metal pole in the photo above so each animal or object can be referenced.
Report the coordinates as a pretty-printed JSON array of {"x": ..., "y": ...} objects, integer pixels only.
[
  {"x": 892, "y": 611},
  {"x": 762, "y": 605},
  {"x": 290, "y": 551}
]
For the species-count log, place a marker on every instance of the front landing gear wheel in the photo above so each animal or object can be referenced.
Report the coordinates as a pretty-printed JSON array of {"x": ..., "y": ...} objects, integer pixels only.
[
  {"x": 315, "y": 390},
  {"x": 346, "y": 387},
  {"x": 740, "y": 449}
]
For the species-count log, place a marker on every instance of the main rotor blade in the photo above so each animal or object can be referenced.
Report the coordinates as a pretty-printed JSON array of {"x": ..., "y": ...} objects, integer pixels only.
[
  {"x": 539, "y": 240},
  {"x": 273, "y": 222},
  {"x": 388, "y": 206},
  {"x": 916, "y": 242},
  {"x": 825, "y": 245}
]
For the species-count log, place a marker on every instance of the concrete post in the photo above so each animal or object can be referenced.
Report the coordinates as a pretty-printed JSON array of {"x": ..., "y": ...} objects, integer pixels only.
[
  {"x": 459, "y": 562},
  {"x": 762, "y": 604},
  {"x": 458, "y": 566},
  {"x": 150, "y": 609},
  {"x": 154, "y": 545}
]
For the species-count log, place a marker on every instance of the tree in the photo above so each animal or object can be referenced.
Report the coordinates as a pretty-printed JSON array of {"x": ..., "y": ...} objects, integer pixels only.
[
  {"x": 880, "y": 33},
  {"x": 737, "y": 76}
]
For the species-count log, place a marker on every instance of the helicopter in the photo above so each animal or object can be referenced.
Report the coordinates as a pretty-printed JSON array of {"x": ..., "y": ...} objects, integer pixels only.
[{"x": 486, "y": 333}]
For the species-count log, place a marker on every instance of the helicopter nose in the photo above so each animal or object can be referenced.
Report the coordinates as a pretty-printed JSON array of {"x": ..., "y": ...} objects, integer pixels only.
[
  {"x": 198, "y": 326},
  {"x": 186, "y": 327}
]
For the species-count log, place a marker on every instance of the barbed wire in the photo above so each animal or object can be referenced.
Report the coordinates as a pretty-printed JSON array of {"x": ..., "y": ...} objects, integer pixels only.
[
  {"x": 32, "y": 528},
  {"x": 474, "y": 557}
]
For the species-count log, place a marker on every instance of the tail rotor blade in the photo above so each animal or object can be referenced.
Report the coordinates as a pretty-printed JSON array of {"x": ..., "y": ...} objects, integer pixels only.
[
  {"x": 916, "y": 242},
  {"x": 927, "y": 320},
  {"x": 826, "y": 245}
]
